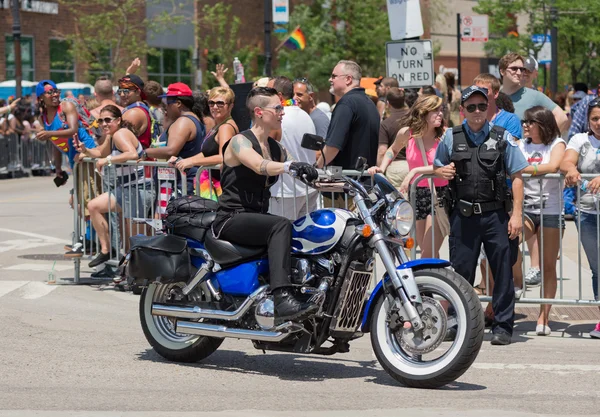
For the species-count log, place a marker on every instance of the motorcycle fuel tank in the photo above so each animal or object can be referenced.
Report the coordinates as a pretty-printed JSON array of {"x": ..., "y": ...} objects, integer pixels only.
[{"x": 319, "y": 231}]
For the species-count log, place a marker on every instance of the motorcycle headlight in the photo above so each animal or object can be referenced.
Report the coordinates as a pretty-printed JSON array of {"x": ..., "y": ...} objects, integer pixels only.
[{"x": 399, "y": 218}]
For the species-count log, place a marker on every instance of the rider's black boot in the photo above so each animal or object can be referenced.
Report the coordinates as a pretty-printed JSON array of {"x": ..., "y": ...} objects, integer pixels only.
[{"x": 288, "y": 308}]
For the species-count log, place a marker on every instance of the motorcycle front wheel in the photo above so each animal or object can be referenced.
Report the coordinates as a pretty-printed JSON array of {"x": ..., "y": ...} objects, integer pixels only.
[
  {"x": 160, "y": 330},
  {"x": 453, "y": 333}
]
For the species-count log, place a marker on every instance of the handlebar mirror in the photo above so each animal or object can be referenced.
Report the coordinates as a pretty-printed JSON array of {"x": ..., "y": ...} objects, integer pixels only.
[
  {"x": 361, "y": 163},
  {"x": 312, "y": 142}
]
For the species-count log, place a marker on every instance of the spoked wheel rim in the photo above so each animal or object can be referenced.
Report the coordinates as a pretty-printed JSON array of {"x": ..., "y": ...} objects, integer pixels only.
[{"x": 442, "y": 356}]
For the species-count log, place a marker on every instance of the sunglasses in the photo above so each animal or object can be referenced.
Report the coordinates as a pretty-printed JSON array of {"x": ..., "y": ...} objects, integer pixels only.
[
  {"x": 106, "y": 120},
  {"x": 52, "y": 92},
  {"x": 168, "y": 101},
  {"x": 528, "y": 122},
  {"x": 481, "y": 107},
  {"x": 278, "y": 109},
  {"x": 516, "y": 69},
  {"x": 594, "y": 103},
  {"x": 124, "y": 91},
  {"x": 302, "y": 80},
  {"x": 219, "y": 104}
]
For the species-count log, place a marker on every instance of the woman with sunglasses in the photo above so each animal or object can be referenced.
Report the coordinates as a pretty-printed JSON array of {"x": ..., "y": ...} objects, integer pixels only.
[
  {"x": 544, "y": 150},
  {"x": 134, "y": 196},
  {"x": 583, "y": 157},
  {"x": 220, "y": 102},
  {"x": 423, "y": 127},
  {"x": 184, "y": 135}
]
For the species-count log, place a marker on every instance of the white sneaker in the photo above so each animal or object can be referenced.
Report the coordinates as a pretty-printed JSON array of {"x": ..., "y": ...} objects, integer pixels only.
[
  {"x": 518, "y": 293},
  {"x": 533, "y": 277},
  {"x": 542, "y": 330}
]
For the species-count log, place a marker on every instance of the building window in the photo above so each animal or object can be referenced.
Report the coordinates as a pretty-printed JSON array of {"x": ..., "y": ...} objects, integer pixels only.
[
  {"x": 62, "y": 67},
  {"x": 26, "y": 58},
  {"x": 170, "y": 66}
]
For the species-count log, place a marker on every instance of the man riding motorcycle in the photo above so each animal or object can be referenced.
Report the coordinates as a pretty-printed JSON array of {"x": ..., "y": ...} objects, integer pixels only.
[{"x": 252, "y": 163}]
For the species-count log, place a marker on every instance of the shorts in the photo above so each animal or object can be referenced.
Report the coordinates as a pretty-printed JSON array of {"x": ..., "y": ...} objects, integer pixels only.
[
  {"x": 135, "y": 201},
  {"x": 396, "y": 172},
  {"x": 551, "y": 221},
  {"x": 423, "y": 201}
]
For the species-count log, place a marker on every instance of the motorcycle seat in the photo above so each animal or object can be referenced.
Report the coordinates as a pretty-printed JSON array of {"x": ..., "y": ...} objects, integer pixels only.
[{"x": 226, "y": 253}]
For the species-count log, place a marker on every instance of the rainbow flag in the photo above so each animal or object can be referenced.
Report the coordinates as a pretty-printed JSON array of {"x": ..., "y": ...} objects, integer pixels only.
[{"x": 296, "y": 40}]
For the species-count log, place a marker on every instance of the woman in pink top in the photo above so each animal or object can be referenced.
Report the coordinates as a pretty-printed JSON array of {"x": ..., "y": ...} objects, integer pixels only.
[{"x": 423, "y": 124}]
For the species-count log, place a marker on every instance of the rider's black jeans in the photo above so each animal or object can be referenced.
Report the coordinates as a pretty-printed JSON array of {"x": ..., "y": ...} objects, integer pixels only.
[{"x": 275, "y": 232}]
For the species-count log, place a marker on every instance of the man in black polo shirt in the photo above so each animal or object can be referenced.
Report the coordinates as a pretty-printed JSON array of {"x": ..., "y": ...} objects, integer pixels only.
[{"x": 354, "y": 127}]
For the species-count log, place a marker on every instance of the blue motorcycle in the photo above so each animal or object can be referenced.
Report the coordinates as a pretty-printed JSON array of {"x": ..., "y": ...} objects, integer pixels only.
[{"x": 425, "y": 321}]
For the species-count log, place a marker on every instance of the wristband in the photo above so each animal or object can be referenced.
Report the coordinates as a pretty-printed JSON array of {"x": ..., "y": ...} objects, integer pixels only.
[
  {"x": 535, "y": 169},
  {"x": 286, "y": 167},
  {"x": 109, "y": 160}
]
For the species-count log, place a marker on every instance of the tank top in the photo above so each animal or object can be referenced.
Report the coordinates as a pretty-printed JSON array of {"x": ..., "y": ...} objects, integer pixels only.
[
  {"x": 415, "y": 160},
  {"x": 210, "y": 146},
  {"x": 64, "y": 144},
  {"x": 128, "y": 173},
  {"x": 243, "y": 189},
  {"x": 146, "y": 137},
  {"x": 190, "y": 149}
]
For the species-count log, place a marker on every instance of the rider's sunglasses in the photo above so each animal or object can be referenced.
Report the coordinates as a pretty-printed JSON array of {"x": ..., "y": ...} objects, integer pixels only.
[
  {"x": 220, "y": 104},
  {"x": 52, "y": 92},
  {"x": 278, "y": 109},
  {"x": 481, "y": 107},
  {"x": 106, "y": 120}
]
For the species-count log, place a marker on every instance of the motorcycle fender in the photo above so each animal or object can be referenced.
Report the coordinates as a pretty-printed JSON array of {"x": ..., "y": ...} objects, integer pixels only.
[{"x": 377, "y": 292}]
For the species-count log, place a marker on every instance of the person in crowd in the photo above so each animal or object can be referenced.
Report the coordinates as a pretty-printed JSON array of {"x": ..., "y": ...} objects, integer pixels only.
[
  {"x": 8, "y": 108},
  {"x": 261, "y": 82},
  {"x": 136, "y": 111},
  {"x": 581, "y": 157},
  {"x": 133, "y": 196},
  {"x": 453, "y": 99},
  {"x": 252, "y": 161},
  {"x": 61, "y": 124},
  {"x": 523, "y": 98},
  {"x": 154, "y": 92},
  {"x": 531, "y": 72},
  {"x": 183, "y": 138},
  {"x": 354, "y": 128},
  {"x": 15, "y": 124},
  {"x": 219, "y": 74},
  {"x": 479, "y": 205},
  {"x": 325, "y": 108},
  {"x": 424, "y": 123},
  {"x": 220, "y": 102},
  {"x": 442, "y": 88},
  {"x": 201, "y": 98},
  {"x": 103, "y": 92},
  {"x": 429, "y": 90},
  {"x": 544, "y": 150},
  {"x": 388, "y": 130},
  {"x": 495, "y": 115},
  {"x": 579, "y": 114},
  {"x": 504, "y": 102},
  {"x": 304, "y": 95},
  {"x": 410, "y": 96},
  {"x": 289, "y": 198},
  {"x": 382, "y": 86}
]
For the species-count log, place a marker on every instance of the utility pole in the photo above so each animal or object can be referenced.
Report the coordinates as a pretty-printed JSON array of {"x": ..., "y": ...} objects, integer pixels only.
[
  {"x": 458, "y": 37},
  {"x": 197, "y": 82},
  {"x": 268, "y": 24},
  {"x": 554, "y": 49},
  {"x": 16, "y": 15}
]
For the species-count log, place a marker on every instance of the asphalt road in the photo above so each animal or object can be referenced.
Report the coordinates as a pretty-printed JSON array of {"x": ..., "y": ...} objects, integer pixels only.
[{"x": 69, "y": 350}]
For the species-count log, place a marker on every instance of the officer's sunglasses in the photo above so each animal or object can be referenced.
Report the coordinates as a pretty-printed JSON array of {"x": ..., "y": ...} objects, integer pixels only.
[{"x": 481, "y": 107}]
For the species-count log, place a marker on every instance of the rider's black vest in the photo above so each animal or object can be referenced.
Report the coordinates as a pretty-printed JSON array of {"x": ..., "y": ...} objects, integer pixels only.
[
  {"x": 480, "y": 170},
  {"x": 243, "y": 190}
]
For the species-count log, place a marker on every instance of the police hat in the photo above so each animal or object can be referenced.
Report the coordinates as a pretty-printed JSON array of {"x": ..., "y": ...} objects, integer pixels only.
[{"x": 469, "y": 91}]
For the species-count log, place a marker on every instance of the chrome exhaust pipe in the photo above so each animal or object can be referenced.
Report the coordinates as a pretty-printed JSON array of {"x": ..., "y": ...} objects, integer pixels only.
[
  {"x": 197, "y": 313},
  {"x": 214, "y": 330}
]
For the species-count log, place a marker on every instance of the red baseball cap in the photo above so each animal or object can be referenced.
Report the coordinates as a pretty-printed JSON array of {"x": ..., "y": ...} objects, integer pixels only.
[{"x": 177, "y": 90}]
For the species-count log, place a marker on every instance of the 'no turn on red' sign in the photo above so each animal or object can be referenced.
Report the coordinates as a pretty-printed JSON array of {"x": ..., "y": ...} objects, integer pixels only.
[
  {"x": 410, "y": 62},
  {"x": 474, "y": 28}
]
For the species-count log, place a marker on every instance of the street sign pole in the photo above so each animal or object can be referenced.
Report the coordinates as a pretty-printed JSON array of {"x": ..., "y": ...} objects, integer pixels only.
[
  {"x": 458, "y": 36},
  {"x": 268, "y": 18},
  {"x": 16, "y": 14},
  {"x": 554, "y": 48}
]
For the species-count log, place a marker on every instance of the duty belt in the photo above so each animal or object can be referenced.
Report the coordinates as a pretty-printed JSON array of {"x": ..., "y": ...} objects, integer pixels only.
[{"x": 479, "y": 208}]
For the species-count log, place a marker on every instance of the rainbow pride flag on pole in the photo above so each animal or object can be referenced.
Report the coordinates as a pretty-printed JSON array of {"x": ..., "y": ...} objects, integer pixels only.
[{"x": 296, "y": 40}]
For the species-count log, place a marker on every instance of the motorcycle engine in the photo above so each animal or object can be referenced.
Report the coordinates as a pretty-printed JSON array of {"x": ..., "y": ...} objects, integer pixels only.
[{"x": 305, "y": 270}]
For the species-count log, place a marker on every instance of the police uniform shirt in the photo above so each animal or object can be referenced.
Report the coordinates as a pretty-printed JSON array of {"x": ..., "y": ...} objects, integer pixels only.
[{"x": 513, "y": 157}]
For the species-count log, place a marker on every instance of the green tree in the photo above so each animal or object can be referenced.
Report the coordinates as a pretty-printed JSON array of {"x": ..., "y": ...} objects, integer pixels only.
[
  {"x": 334, "y": 30},
  {"x": 108, "y": 34},
  {"x": 218, "y": 31},
  {"x": 578, "y": 33}
]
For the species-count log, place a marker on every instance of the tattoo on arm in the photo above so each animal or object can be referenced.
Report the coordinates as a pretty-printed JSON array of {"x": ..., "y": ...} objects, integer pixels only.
[
  {"x": 263, "y": 166},
  {"x": 239, "y": 143},
  {"x": 389, "y": 155}
]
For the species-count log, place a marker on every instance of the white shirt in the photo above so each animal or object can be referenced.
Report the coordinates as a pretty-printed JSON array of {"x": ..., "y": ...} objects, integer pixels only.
[
  {"x": 540, "y": 154},
  {"x": 588, "y": 148},
  {"x": 295, "y": 123}
]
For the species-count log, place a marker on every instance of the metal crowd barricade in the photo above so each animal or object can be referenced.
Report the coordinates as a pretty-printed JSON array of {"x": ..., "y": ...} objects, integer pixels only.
[
  {"x": 131, "y": 187},
  {"x": 561, "y": 298},
  {"x": 4, "y": 157},
  {"x": 11, "y": 154}
]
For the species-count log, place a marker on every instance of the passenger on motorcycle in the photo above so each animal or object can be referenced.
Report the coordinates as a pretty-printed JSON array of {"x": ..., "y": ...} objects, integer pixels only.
[{"x": 252, "y": 163}]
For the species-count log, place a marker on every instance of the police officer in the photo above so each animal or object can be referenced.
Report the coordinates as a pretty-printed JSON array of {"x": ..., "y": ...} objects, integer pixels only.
[{"x": 476, "y": 158}]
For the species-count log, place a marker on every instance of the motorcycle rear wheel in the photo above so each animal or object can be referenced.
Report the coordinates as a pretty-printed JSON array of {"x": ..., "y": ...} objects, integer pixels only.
[
  {"x": 160, "y": 330},
  {"x": 410, "y": 369}
]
